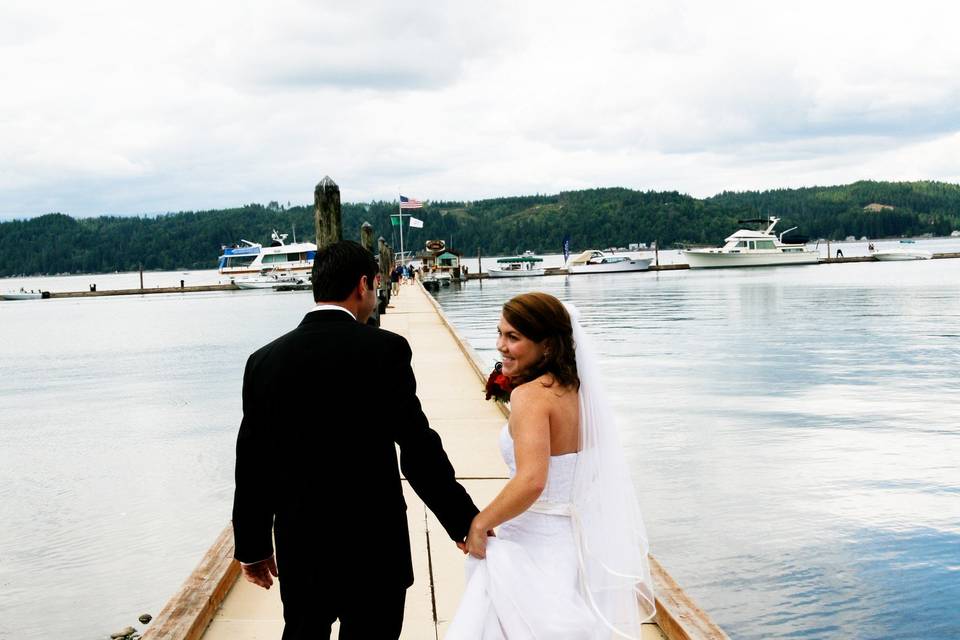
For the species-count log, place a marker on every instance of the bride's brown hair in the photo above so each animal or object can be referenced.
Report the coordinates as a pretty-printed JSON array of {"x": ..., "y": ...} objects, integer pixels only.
[{"x": 543, "y": 319}]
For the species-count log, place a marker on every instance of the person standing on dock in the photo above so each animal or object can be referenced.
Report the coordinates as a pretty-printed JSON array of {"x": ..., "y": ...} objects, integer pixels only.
[{"x": 319, "y": 474}]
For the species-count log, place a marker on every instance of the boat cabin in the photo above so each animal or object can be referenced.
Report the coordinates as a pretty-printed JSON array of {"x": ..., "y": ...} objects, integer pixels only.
[{"x": 520, "y": 263}]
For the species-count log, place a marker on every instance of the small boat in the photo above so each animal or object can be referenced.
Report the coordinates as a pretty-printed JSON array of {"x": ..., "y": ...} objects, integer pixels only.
[
  {"x": 517, "y": 267},
  {"x": 595, "y": 261},
  {"x": 891, "y": 255},
  {"x": 23, "y": 294},
  {"x": 747, "y": 248},
  {"x": 430, "y": 282},
  {"x": 270, "y": 281}
]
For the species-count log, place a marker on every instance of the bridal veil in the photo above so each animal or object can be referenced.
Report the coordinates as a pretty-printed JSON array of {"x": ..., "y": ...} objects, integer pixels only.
[{"x": 611, "y": 539}]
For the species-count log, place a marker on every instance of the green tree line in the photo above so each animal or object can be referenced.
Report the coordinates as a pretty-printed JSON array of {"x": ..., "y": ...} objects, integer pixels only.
[{"x": 593, "y": 218}]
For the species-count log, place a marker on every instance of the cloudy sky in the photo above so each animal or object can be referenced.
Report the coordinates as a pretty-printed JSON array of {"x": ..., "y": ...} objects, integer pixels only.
[{"x": 125, "y": 107}]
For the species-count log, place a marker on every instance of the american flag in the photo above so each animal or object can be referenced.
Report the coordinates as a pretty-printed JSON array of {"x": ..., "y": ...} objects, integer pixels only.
[{"x": 410, "y": 203}]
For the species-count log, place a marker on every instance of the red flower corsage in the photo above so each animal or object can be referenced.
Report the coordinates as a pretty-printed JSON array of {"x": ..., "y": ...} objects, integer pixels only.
[{"x": 498, "y": 385}]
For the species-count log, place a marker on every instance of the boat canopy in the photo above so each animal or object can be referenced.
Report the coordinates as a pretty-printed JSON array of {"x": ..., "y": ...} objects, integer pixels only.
[
  {"x": 519, "y": 259},
  {"x": 585, "y": 257},
  {"x": 746, "y": 234}
]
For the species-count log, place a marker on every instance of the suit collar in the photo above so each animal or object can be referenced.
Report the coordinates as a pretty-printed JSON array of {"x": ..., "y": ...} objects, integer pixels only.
[
  {"x": 329, "y": 314},
  {"x": 333, "y": 307}
]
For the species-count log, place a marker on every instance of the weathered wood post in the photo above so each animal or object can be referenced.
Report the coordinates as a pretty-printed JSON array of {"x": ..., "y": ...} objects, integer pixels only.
[
  {"x": 366, "y": 240},
  {"x": 386, "y": 266},
  {"x": 479, "y": 263},
  {"x": 366, "y": 237},
  {"x": 326, "y": 212}
]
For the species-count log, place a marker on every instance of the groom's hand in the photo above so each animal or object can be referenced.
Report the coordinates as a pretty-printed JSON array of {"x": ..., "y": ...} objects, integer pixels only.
[{"x": 261, "y": 573}]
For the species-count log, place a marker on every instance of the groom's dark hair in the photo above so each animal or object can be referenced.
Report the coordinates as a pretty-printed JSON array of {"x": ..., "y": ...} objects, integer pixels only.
[{"x": 338, "y": 267}]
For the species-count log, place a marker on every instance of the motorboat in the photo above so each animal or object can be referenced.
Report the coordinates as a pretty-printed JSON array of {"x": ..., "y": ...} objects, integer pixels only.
[
  {"x": 595, "y": 261},
  {"x": 517, "y": 267},
  {"x": 247, "y": 258},
  {"x": 430, "y": 282},
  {"x": 747, "y": 248},
  {"x": 22, "y": 294},
  {"x": 270, "y": 280},
  {"x": 890, "y": 255}
]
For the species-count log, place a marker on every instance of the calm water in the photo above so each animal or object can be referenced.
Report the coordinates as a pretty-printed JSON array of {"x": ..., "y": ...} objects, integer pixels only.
[
  {"x": 119, "y": 418},
  {"x": 792, "y": 433}
]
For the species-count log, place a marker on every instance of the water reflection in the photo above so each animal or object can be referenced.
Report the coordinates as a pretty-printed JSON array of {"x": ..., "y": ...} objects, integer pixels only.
[{"x": 792, "y": 434}]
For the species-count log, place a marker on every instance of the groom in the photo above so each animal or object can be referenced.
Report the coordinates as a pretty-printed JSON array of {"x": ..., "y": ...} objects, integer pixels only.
[{"x": 317, "y": 470}]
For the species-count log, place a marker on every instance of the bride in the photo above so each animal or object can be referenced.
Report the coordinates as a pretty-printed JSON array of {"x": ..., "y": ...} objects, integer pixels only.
[{"x": 569, "y": 560}]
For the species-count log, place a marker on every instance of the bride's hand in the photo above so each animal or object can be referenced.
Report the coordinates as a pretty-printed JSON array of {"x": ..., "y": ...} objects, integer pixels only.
[{"x": 477, "y": 540}]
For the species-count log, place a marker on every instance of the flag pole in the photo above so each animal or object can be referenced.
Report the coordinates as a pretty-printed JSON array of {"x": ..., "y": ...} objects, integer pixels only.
[{"x": 400, "y": 215}]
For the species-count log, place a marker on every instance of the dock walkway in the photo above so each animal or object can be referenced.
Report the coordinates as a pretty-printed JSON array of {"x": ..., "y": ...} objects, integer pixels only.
[{"x": 450, "y": 388}]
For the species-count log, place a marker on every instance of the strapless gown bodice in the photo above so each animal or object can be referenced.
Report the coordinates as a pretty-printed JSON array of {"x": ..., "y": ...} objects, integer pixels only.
[{"x": 559, "y": 487}]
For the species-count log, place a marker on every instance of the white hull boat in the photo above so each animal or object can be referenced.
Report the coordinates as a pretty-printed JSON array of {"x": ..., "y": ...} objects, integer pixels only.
[
  {"x": 891, "y": 255},
  {"x": 269, "y": 281},
  {"x": 505, "y": 273},
  {"x": 248, "y": 258},
  {"x": 22, "y": 295},
  {"x": 594, "y": 261},
  {"x": 523, "y": 266},
  {"x": 747, "y": 248}
]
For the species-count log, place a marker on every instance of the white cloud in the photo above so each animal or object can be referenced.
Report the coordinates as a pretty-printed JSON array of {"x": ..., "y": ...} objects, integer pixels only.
[{"x": 111, "y": 107}]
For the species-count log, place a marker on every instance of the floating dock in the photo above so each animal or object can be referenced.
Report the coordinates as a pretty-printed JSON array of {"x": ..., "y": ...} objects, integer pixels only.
[{"x": 216, "y": 604}]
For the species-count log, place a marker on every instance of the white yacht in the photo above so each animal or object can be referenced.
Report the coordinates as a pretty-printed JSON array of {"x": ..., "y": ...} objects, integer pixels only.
[
  {"x": 595, "y": 261},
  {"x": 517, "y": 267},
  {"x": 247, "y": 258},
  {"x": 748, "y": 248}
]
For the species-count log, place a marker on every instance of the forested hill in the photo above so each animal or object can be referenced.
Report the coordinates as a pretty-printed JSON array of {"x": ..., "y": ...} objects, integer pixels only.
[{"x": 593, "y": 218}]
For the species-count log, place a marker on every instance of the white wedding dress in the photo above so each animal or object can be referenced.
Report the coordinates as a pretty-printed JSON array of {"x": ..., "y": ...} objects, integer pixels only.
[
  {"x": 528, "y": 585},
  {"x": 574, "y": 565}
]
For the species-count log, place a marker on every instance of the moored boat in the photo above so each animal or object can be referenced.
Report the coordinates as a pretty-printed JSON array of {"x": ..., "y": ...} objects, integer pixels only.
[
  {"x": 891, "y": 255},
  {"x": 23, "y": 294},
  {"x": 595, "y": 261},
  {"x": 747, "y": 248},
  {"x": 270, "y": 281},
  {"x": 517, "y": 267},
  {"x": 248, "y": 257}
]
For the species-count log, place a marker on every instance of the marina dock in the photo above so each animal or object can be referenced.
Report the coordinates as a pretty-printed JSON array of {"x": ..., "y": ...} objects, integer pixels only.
[
  {"x": 549, "y": 271},
  {"x": 215, "y": 603}
]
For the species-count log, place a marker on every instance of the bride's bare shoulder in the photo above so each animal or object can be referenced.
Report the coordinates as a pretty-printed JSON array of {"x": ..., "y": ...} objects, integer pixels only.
[{"x": 540, "y": 391}]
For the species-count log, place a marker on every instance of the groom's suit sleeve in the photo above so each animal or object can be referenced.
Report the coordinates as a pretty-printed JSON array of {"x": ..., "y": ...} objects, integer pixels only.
[
  {"x": 422, "y": 459},
  {"x": 252, "y": 505}
]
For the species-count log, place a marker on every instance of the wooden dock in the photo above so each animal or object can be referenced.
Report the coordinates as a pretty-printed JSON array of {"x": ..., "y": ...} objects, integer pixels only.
[
  {"x": 214, "y": 604},
  {"x": 145, "y": 291}
]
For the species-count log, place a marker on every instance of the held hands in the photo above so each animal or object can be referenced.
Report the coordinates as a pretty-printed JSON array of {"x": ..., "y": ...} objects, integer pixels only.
[
  {"x": 259, "y": 573},
  {"x": 476, "y": 542}
]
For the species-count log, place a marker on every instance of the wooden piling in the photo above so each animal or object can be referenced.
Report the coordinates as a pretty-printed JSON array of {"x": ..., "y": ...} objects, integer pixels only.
[
  {"x": 366, "y": 236},
  {"x": 326, "y": 212}
]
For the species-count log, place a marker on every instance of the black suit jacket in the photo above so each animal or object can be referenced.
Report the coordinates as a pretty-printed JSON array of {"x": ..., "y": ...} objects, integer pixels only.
[{"x": 323, "y": 407}]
